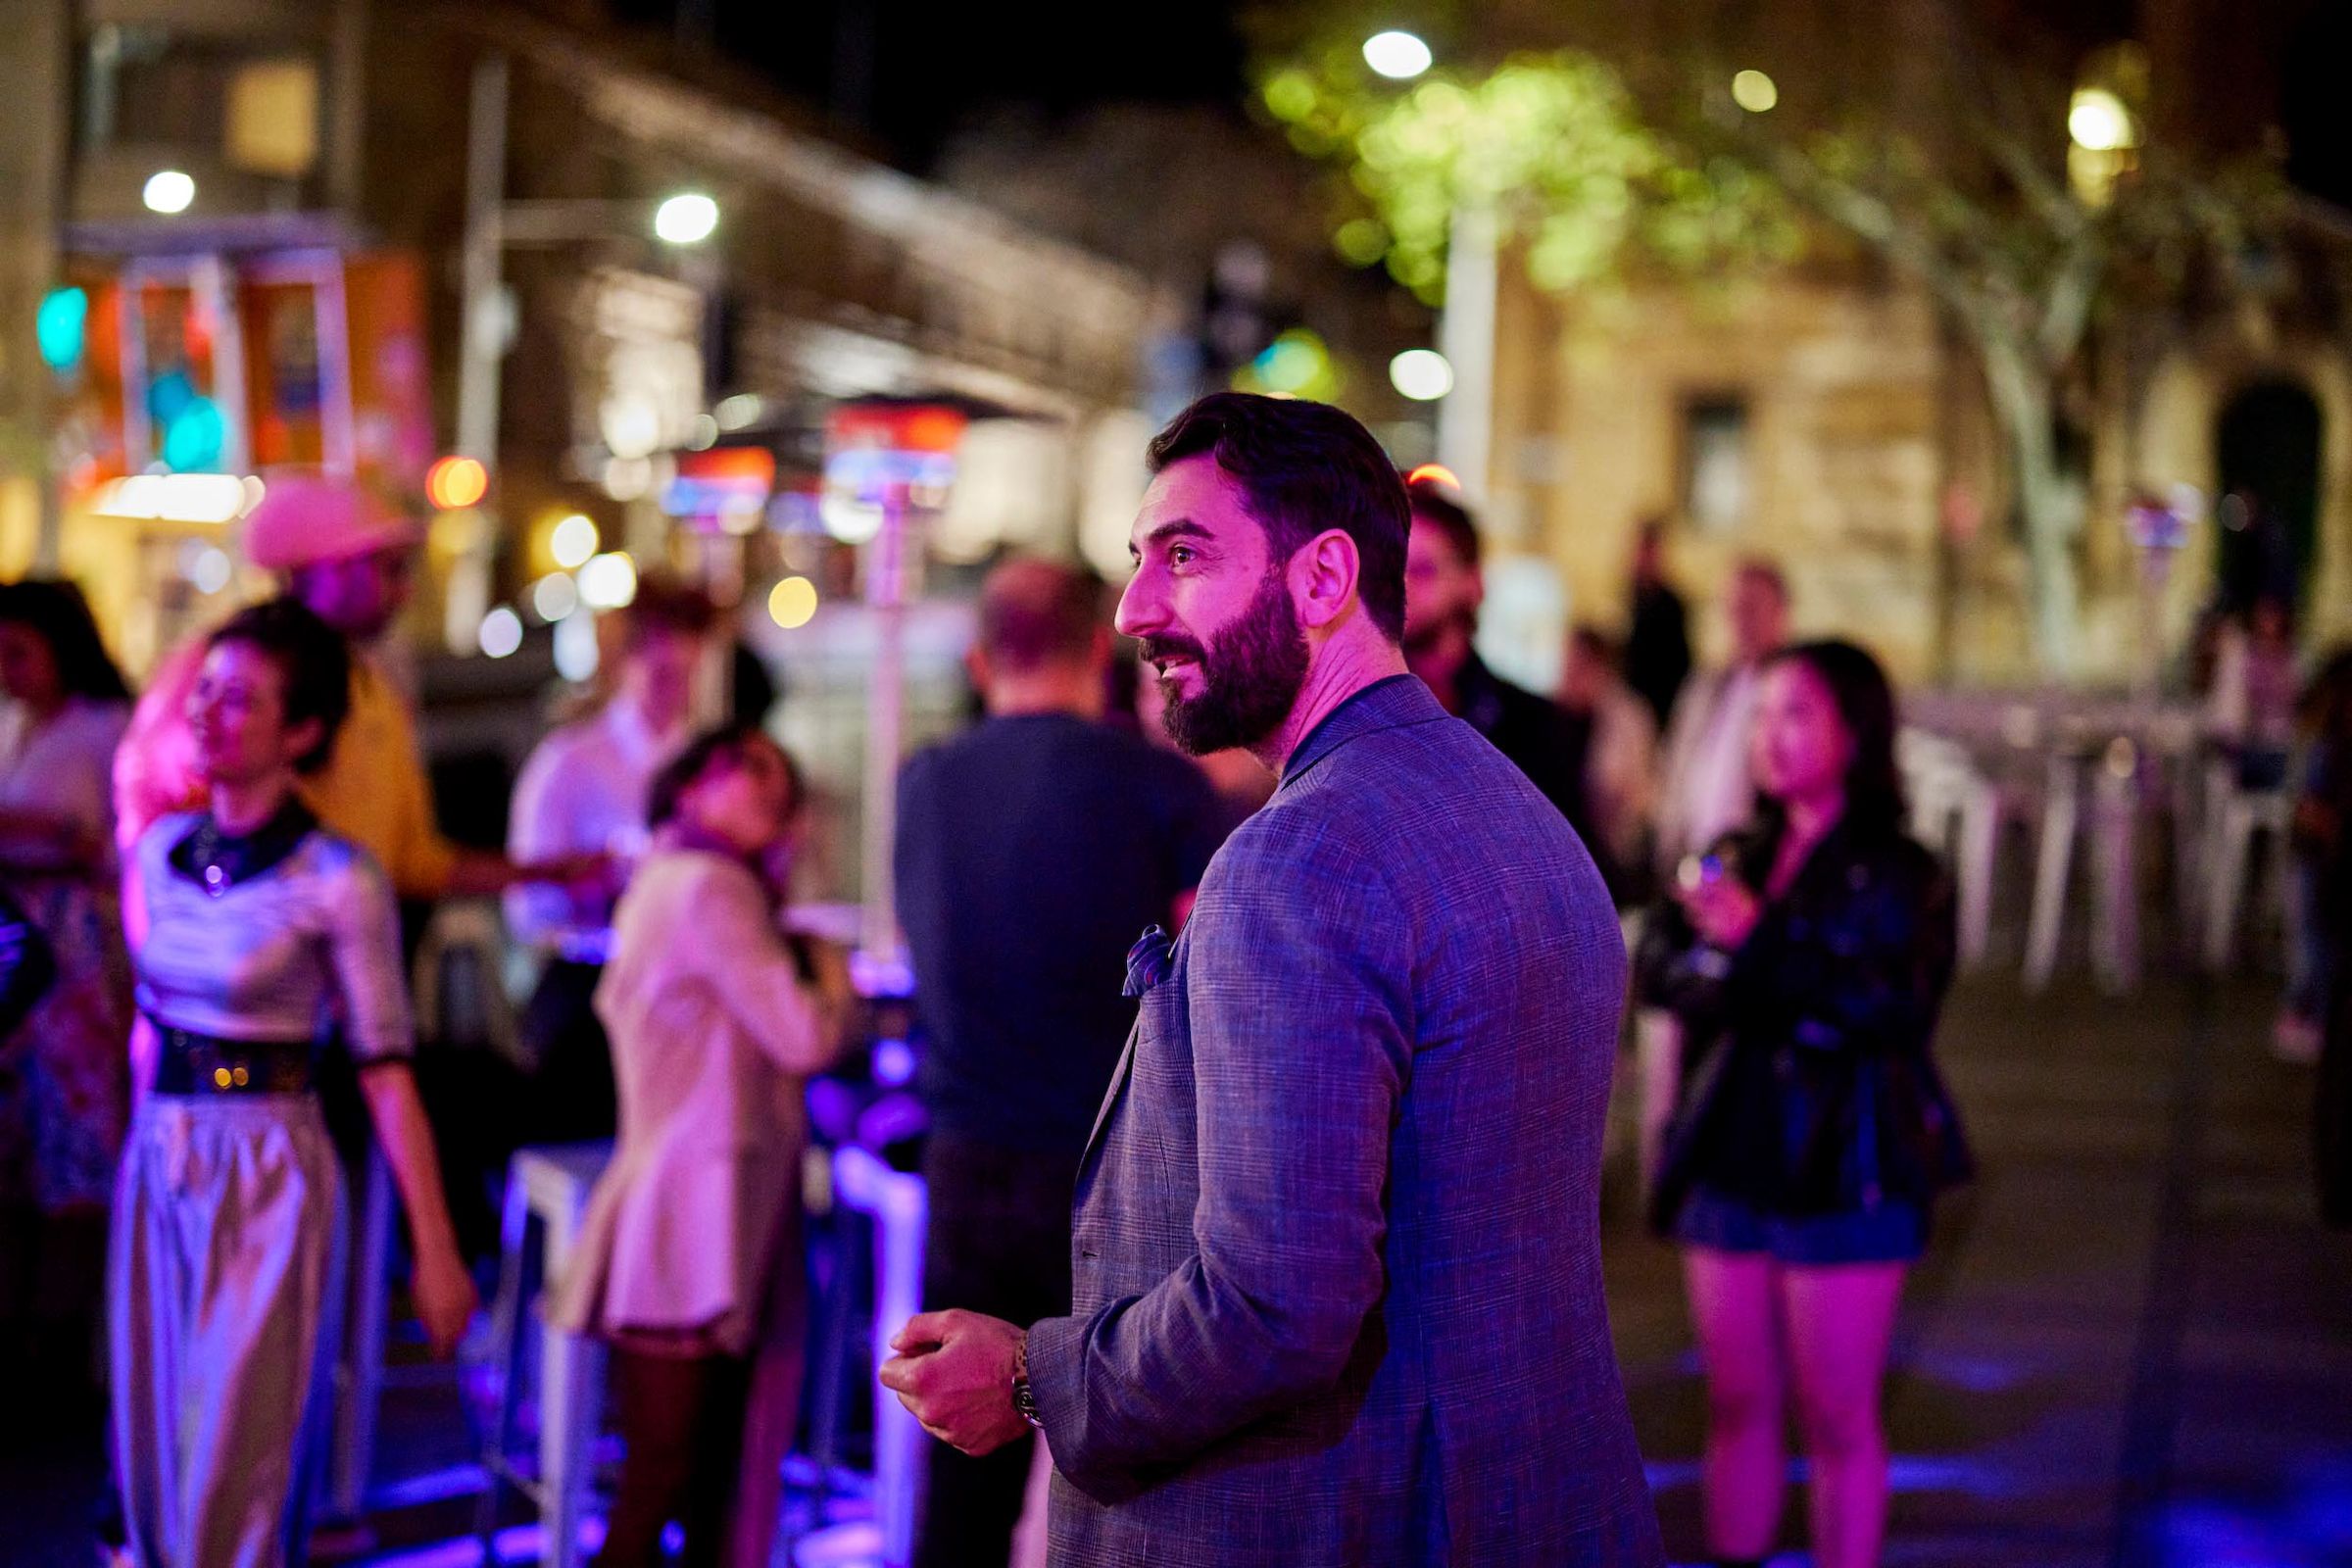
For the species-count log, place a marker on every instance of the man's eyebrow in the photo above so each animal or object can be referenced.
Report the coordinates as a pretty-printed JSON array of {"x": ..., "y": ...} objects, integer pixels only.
[{"x": 1174, "y": 528}]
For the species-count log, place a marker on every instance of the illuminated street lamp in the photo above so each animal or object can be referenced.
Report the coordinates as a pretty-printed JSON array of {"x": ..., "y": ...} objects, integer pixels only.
[
  {"x": 1398, "y": 55},
  {"x": 687, "y": 218},
  {"x": 1755, "y": 92},
  {"x": 1422, "y": 374},
  {"x": 2099, "y": 122},
  {"x": 169, "y": 191}
]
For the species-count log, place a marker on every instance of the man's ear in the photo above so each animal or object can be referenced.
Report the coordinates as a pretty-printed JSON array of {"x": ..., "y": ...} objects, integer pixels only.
[
  {"x": 1322, "y": 578},
  {"x": 304, "y": 738}
]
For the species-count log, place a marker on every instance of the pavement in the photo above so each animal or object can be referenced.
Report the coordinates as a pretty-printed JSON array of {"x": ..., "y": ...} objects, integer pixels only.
[
  {"x": 2130, "y": 1342},
  {"x": 2130, "y": 1345}
]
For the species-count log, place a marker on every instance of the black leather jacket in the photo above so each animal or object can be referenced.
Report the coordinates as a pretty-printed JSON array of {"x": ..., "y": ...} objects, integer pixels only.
[{"x": 1806, "y": 1084}]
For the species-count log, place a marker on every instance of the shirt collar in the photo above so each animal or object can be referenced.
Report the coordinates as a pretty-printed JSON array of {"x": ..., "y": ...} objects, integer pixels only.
[
  {"x": 627, "y": 728},
  {"x": 1386, "y": 704}
]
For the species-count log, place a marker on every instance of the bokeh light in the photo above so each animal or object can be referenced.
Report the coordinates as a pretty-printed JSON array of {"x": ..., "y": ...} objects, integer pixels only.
[
  {"x": 501, "y": 633},
  {"x": 608, "y": 581},
  {"x": 1398, "y": 55},
  {"x": 687, "y": 218},
  {"x": 456, "y": 482},
  {"x": 555, "y": 596},
  {"x": 169, "y": 191},
  {"x": 791, "y": 602},
  {"x": 1421, "y": 374},
  {"x": 1754, "y": 91},
  {"x": 574, "y": 541}
]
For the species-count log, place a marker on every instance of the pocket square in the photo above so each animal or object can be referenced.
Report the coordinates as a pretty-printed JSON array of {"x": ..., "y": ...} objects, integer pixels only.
[{"x": 1148, "y": 961}]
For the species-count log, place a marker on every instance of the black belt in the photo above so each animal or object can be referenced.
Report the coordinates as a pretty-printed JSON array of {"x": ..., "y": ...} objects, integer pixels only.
[{"x": 190, "y": 1064}]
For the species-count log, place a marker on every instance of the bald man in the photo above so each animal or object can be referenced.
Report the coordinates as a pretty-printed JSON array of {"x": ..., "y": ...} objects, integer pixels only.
[{"x": 1033, "y": 850}]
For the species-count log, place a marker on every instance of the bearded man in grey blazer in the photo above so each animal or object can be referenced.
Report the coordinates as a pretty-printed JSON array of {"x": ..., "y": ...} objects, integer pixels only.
[{"x": 1337, "y": 1251}]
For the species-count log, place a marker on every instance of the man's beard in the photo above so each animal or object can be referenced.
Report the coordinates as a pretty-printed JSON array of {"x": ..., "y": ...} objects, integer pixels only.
[{"x": 1251, "y": 676}]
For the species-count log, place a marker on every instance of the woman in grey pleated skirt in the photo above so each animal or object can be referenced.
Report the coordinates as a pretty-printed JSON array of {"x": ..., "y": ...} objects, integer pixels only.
[{"x": 257, "y": 936}]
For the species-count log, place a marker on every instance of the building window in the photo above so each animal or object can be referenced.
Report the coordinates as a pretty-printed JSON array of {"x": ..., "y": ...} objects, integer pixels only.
[
  {"x": 253, "y": 103},
  {"x": 1716, "y": 478}
]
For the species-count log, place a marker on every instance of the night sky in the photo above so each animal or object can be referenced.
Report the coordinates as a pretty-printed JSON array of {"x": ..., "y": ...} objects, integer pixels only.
[
  {"x": 904, "y": 75},
  {"x": 910, "y": 72}
]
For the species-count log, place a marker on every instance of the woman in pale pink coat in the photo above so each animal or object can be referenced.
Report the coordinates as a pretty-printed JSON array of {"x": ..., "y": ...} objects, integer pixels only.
[{"x": 690, "y": 1263}]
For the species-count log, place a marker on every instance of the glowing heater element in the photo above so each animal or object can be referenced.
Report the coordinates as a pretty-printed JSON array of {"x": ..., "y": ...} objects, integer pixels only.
[
  {"x": 1433, "y": 473},
  {"x": 1398, "y": 55},
  {"x": 197, "y": 498},
  {"x": 454, "y": 483}
]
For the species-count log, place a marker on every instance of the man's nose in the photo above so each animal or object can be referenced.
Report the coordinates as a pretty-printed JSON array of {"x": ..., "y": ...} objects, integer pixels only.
[{"x": 1142, "y": 608}]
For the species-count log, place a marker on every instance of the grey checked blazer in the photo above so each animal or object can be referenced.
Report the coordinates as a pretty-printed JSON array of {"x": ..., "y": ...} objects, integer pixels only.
[{"x": 1337, "y": 1247}]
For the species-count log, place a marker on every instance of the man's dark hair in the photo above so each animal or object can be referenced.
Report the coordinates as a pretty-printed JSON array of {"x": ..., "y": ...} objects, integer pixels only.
[
  {"x": 722, "y": 745},
  {"x": 663, "y": 604},
  {"x": 1305, "y": 467},
  {"x": 313, "y": 661},
  {"x": 1434, "y": 504},
  {"x": 1037, "y": 613},
  {"x": 53, "y": 609}
]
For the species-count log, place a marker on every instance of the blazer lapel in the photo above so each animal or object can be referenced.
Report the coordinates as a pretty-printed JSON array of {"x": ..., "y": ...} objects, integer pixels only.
[{"x": 1110, "y": 1097}]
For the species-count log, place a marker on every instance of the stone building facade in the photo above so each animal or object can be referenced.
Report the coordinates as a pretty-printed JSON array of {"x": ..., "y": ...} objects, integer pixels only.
[{"x": 1828, "y": 418}]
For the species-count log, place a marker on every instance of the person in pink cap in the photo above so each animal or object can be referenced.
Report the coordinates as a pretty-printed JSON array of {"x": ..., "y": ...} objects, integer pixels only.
[{"x": 346, "y": 557}]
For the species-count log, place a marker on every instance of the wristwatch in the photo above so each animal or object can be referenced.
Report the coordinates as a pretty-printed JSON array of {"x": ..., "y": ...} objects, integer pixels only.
[{"x": 1024, "y": 1398}]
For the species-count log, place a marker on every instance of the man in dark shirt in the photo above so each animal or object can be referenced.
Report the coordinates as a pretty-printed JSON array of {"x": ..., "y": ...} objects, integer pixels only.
[
  {"x": 1443, "y": 592},
  {"x": 1032, "y": 852},
  {"x": 1657, "y": 640}
]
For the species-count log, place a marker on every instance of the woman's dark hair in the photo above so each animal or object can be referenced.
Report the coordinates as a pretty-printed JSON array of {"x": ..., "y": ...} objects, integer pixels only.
[
  {"x": 54, "y": 611},
  {"x": 1305, "y": 467},
  {"x": 312, "y": 660},
  {"x": 724, "y": 745},
  {"x": 1865, "y": 703}
]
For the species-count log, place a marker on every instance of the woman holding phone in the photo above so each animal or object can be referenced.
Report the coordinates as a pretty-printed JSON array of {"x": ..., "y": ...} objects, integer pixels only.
[{"x": 1805, "y": 961}]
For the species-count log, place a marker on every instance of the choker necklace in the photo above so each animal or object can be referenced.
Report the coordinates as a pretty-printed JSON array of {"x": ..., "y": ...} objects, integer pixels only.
[{"x": 217, "y": 860}]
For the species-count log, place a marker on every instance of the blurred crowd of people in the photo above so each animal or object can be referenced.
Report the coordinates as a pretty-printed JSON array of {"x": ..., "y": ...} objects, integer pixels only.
[{"x": 203, "y": 983}]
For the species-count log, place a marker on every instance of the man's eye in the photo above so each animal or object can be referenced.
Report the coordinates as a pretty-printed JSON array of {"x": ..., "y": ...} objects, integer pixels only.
[{"x": 1180, "y": 555}]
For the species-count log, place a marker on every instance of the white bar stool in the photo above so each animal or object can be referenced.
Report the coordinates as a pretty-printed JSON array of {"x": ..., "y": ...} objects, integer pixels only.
[
  {"x": 550, "y": 1186},
  {"x": 901, "y": 1208}
]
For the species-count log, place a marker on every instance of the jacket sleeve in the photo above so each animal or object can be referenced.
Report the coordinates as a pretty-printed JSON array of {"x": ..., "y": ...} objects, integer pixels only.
[
  {"x": 539, "y": 828},
  {"x": 749, "y": 965},
  {"x": 419, "y": 860},
  {"x": 1298, "y": 992}
]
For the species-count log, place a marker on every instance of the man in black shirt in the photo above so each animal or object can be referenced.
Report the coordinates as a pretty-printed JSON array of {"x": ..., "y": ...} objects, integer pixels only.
[
  {"x": 1443, "y": 592},
  {"x": 1033, "y": 850},
  {"x": 1657, "y": 642}
]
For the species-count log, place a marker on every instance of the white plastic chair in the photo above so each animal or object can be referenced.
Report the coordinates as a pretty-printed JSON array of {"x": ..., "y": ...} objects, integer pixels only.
[{"x": 2236, "y": 818}]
